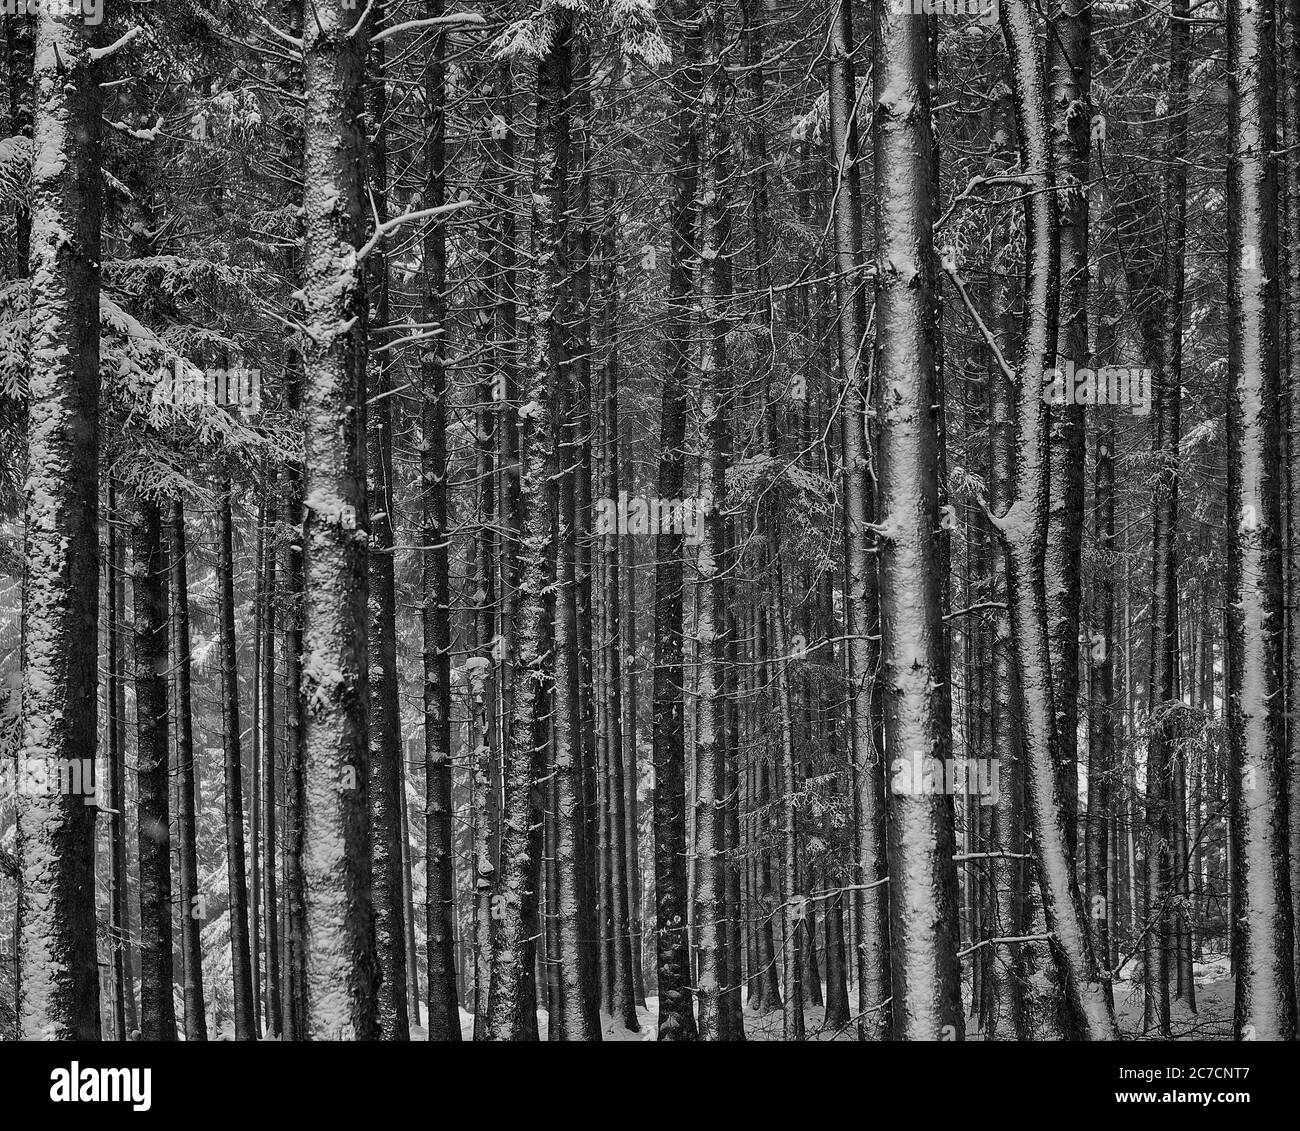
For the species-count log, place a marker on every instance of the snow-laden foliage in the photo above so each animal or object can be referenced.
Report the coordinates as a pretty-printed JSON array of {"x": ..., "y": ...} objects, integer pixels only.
[
  {"x": 631, "y": 22},
  {"x": 15, "y": 169},
  {"x": 802, "y": 498},
  {"x": 138, "y": 369}
]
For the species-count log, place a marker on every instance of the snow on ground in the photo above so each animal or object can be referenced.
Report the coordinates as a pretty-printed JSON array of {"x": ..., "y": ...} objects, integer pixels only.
[{"x": 1211, "y": 1022}]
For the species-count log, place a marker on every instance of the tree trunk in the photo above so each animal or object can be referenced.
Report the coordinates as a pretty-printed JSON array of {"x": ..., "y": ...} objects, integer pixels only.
[
  {"x": 339, "y": 942},
  {"x": 435, "y": 579},
  {"x": 240, "y": 961},
  {"x": 1069, "y": 66},
  {"x": 622, "y": 993},
  {"x": 714, "y": 560},
  {"x": 1023, "y": 529},
  {"x": 192, "y": 906},
  {"x": 58, "y": 974},
  {"x": 870, "y": 897},
  {"x": 1289, "y": 46},
  {"x": 926, "y": 1001},
  {"x": 274, "y": 1003},
  {"x": 157, "y": 1009},
  {"x": 1265, "y": 1006},
  {"x": 676, "y": 1015},
  {"x": 119, "y": 915},
  {"x": 385, "y": 712}
]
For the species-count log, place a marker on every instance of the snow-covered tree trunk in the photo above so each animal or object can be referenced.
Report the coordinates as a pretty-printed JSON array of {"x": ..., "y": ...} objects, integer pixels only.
[
  {"x": 485, "y": 791},
  {"x": 1265, "y": 1006},
  {"x": 119, "y": 915},
  {"x": 871, "y": 900},
  {"x": 926, "y": 1001},
  {"x": 753, "y": 15},
  {"x": 578, "y": 515},
  {"x": 190, "y": 903},
  {"x": 631, "y": 763},
  {"x": 541, "y": 642},
  {"x": 794, "y": 906},
  {"x": 153, "y": 790},
  {"x": 1024, "y": 529},
  {"x": 271, "y": 776},
  {"x": 338, "y": 944},
  {"x": 713, "y": 558},
  {"x": 291, "y": 566},
  {"x": 622, "y": 992},
  {"x": 385, "y": 712},
  {"x": 676, "y": 1015},
  {"x": 1173, "y": 272},
  {"x": 435, "y": 577},
  {"x": 1005, "y": 1013},
  {"x": 570, "y": 952},
  {"x": 236, "y": 857},
  {"x": 57, "y": 968},
  {"x": 1289, "y": 49},
  {"x": 1099, "y": 891},
  {"x": 291, "y": 570},
  {"x": 1069, "y": 67}
]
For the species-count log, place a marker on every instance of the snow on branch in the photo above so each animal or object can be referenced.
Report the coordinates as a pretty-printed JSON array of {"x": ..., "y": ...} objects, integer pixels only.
[
  {"x": 465, "y": 19},
  {"x": 361, "y": 19},
  {"x": 15, "y": 168},
  {"x": 151, "y": 134},
  {"x": 407, "y": 217},
  {"x": 291, "y": 40},
  {"x": 97, "y": 53}
]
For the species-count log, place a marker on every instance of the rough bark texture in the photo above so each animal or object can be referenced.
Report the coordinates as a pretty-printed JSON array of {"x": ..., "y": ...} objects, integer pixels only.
[
  {"x": 57, "y": 968},
  {"x": 1069, "y": 66},
  {"x": 435, "y": 581},
  {"x": 1262, "y": 925},
  {"x": 153, "y": 793},
  {"x": 871, "y": 899},
  {"x": 236, "y": 856},
  {"x": 190, "y": 903},
  {"x": 338, "y": 945},
  {"x": 385, "y": 714},
  {"x": 716, "y": 675},
  {"x": 676, "y": 1015},
  {"x": 1289, "y": 49},
  {"x": 1024, "y": 530},
  {"x": 926, "y": 1001}
]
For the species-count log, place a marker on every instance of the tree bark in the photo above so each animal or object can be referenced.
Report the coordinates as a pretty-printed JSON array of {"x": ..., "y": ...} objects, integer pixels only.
[
  {"x": 1265, "y": 1007},
  {"x": 1024, "y": 529},
  {"x": 148, "y": 567},
  {"x": 926, "y": 995},
  {"x": 339, "y": 943},
  {"x": 57, "y": 970},
  {"x": 191, "y": 904},
  {"x": 1069, "y": 67},
  {"x": 676, "y": 1015},
  {"x": 870, "y": 896},
  {"x": 236, "y": 861},
  {"x": 385, "y": 713}
]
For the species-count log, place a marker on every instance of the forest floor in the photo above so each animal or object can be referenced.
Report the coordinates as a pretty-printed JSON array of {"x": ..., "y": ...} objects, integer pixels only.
[{"x": 1212, "y": 1020}]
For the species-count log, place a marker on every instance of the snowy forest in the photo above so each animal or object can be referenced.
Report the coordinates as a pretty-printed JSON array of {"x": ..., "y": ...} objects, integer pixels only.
[{"x": 649, "y": 520}]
